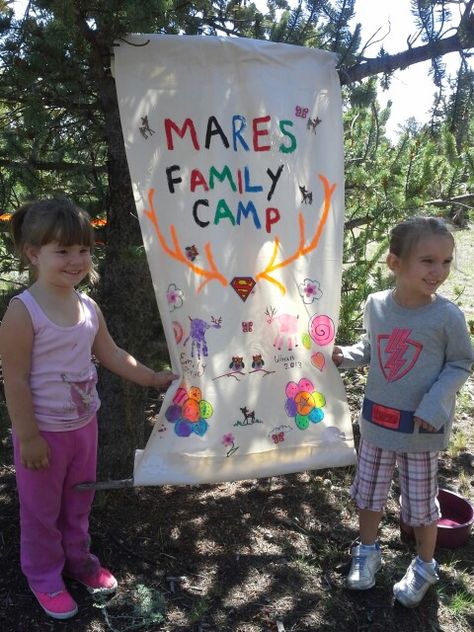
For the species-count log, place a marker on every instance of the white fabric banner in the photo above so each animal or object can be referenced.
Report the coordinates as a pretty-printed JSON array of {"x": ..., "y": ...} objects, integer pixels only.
[{"x": 235, "y": 152}]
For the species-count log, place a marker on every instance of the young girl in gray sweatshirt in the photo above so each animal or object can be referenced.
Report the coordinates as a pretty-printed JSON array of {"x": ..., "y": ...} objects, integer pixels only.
[{"x": 419, "y": 355}]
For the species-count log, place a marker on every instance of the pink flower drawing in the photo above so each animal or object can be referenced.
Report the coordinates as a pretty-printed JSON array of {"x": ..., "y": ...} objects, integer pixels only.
[
  {"x": 310, "y": 290},
  {"x": 228, "y": 441},
  {"x": 174, "y": 296}
]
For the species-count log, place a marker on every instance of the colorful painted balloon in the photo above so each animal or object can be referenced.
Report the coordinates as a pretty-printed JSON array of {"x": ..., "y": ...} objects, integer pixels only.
[
  {"x": 318, "y": 360},
  {"x": 302, "y": 421},
  {"x": 304, "y": 402},
  {"x": 316, "y": 415},
  {"x": 183, "y": 428},
  {"x": 305, "y": 385},
  {"x": 321, "y": 329},
  {"x": 195, "y": 393},
  {"x": 200, "y": 427},
  {"x": 191, "y": 410},
  {"x": 173, "y": 413},
  {"x": 205, "y": 409},
  {"x": 318, "y": 399},
  {"x": 291, "y": 389},
  {"x": 180, "y": 396},
  {"x": 290, "y": 407}
]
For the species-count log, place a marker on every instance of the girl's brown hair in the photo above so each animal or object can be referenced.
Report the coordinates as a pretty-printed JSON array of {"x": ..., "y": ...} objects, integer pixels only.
[
  {"x": 51, "y": 220},
  {"x": 405, "y": 236}
]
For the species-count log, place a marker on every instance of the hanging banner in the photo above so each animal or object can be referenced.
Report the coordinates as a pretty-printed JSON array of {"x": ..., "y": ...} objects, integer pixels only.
[{"x": 235, "y": 152}]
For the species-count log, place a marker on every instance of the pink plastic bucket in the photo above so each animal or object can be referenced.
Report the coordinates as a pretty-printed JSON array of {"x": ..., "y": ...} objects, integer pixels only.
[{"x": 454, "y": 526}]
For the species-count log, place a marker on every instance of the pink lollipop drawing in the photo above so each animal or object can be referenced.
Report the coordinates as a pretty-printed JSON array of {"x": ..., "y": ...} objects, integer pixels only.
[{"x": 321, "y": 329}]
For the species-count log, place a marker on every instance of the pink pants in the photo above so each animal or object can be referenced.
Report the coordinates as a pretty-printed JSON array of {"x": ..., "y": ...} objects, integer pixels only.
[{"x": 54, "y": 517}]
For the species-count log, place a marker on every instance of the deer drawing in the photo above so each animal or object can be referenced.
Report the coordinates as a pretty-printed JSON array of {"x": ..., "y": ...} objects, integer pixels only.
[
  {"x": 307, "y": 196},
  {"x": 249, "y": 415},
  {"x": 312, "y": 124},
  {"x": 287, "y": 328},
  {"x": 197, "y": 333},
  {"x": 145, "y": 128}
]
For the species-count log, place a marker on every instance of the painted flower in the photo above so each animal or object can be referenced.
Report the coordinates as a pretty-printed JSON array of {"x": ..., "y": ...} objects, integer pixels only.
[
  {"x": 228, "y": 440},
  {"x": 310, "y": 290},
  {"x": 189, "y": 412},
  {"x": 174, "y": 296},
  {"x": 304, "y": 403}
]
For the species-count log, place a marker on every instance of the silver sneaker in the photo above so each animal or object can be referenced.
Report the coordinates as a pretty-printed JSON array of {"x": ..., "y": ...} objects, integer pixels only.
[
  {"x": 363, "y": 568},
  {"x": 410, "y": 590}
]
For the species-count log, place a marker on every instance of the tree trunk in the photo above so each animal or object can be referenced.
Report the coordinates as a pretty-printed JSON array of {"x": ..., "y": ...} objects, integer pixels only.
[{"x": 126, "y": 297}]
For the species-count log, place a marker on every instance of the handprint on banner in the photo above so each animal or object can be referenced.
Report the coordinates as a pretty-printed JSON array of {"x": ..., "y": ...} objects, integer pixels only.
[
  {"x": 287, "y": 328},
  {"x": 198, "y": 335}
]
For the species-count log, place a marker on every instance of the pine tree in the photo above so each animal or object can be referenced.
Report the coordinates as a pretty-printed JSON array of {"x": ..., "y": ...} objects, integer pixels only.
[{"x": 61, "y": 133}]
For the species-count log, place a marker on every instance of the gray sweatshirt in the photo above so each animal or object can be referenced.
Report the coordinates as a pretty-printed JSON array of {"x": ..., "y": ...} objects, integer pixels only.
[{"x": 418, "y": 359}]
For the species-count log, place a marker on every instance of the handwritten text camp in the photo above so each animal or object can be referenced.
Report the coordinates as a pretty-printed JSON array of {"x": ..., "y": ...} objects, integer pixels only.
[{"x": 241, "y": 138}]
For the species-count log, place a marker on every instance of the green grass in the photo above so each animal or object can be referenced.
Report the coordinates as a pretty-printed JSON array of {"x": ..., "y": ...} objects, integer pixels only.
[
  {"x": 462, "y": 603},
  {"x": 199, "y": 609},
  {"x": 456, "y": 591},
  {"x": 457, "y": 444},
  {"x": 459, "y": 287}
]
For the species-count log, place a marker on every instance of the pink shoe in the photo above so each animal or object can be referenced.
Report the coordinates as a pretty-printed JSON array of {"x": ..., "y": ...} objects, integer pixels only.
[
  {"x": 59, "y": 605},
  {"x": 101, "y": 582}
]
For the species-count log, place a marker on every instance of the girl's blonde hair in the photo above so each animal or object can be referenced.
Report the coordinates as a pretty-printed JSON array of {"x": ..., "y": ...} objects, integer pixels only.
[
  {"x": 405, "y": 236},
  {"x": 51, "y": 220}
]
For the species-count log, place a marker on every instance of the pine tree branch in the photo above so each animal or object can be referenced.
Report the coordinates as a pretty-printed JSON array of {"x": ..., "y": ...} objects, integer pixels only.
[
  {"x": 389, "y": 63},
  {"x": 357, "y": 222},
  {"x": 48, "y": 98},
  {"x": 457, "y": 199},
  {"x": 41, "y": 165}
]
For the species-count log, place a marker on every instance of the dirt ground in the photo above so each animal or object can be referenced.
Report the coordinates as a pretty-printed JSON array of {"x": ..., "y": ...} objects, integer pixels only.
[{"x": 266, "y": 555}]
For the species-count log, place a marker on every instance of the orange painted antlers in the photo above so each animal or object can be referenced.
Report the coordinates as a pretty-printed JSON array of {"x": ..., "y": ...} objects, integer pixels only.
[
  {"x": 302, "y": 250},
  {"x": 212, "y": 274}
]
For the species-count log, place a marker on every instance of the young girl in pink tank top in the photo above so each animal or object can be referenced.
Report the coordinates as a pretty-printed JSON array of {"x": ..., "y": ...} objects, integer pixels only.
[{"x": 47, "y": 338}]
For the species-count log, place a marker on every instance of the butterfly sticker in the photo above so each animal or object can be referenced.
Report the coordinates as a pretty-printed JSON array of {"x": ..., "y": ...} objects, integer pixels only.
[{"x": 278, "y": 438}]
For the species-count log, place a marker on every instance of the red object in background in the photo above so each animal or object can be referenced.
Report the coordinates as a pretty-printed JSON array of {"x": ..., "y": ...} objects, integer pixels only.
[{"x": 96, "y": 222}]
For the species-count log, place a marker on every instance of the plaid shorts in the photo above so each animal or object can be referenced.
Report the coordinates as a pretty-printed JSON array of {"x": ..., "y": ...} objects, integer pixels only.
[{"x": 418, "y": 478}]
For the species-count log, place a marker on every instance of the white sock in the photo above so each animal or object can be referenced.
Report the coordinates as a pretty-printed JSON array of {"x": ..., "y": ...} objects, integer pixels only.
[
  {"x": 430, "y": 566},
  {"x": 369, "y": 547}
]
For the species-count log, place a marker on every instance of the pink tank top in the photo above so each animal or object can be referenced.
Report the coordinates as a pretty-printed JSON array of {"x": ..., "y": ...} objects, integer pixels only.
[{"x": 62, "y": 377}]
